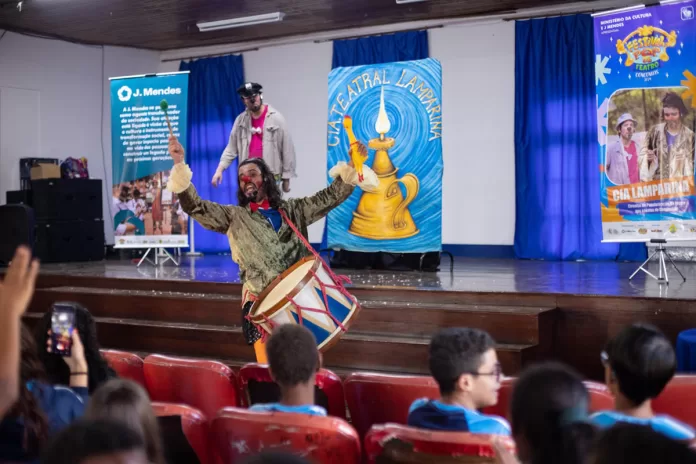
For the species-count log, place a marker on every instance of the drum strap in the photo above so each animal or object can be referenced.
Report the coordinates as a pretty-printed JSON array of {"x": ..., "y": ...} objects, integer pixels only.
[{"x": 341, "y": 279}]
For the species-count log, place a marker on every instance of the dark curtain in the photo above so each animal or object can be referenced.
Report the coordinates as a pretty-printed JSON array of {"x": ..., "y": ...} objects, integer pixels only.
[
  {"x": 213, "y": 106},
  {"x": 556, "y": 160}
]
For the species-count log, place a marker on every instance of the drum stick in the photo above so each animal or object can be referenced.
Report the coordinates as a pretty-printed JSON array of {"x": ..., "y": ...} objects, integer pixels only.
[{"x": 165, "y": 106}]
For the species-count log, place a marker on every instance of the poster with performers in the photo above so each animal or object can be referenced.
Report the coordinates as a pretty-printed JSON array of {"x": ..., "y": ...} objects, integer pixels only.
[
  {"x": 646, "y": 98},
  {"x": 395, "y": 110},
  {"x": 145, "y": 214}
]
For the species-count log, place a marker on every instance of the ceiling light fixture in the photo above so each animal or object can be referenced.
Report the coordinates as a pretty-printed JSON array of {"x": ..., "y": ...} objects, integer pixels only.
[
  {"x": 403, "y": 2},
  {"x": 240, "y": 22},
  {"x": 619, "y": 10}
]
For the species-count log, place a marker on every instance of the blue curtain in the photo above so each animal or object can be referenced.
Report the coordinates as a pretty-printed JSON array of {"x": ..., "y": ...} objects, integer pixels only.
[
  {"x": 400, "y": 46},
  {"x": 556, "y": 162},
  {"x": 213, "y": 106}
]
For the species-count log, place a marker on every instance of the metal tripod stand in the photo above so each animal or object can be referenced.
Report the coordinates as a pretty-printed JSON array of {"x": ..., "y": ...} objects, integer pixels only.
[{"x": 662, "y": 277}]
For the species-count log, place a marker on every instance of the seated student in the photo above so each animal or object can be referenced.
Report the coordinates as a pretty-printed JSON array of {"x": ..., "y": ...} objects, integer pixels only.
[
  {"x": 638, "y": 363},
  {"x": 42, "y": 409},
  {"x": 293, "y": 363},
  {"x": 56, "y": 368},
  {"x": 96, "y": 442},
  {"x": 128, "y": 402},
  {"x": 464, "y": 364},
  {"x": 636, "y": 444}
]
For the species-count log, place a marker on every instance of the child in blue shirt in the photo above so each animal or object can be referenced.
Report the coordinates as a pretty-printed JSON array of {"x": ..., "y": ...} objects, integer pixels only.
[
  {"x": 638, "y": 364},
  {"x": 293, "y": 363},
  {"x": 465, "y": 365}
]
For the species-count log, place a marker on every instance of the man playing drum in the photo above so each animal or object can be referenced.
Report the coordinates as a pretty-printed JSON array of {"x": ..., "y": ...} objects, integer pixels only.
[{"x": 261, "y": 242}]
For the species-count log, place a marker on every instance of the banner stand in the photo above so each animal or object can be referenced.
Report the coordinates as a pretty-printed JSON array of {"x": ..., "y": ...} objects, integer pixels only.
[
  {"x": 145, "y": 110},
  {"x": 662, "y": 277},
  {"x": 159, "y": 253}
]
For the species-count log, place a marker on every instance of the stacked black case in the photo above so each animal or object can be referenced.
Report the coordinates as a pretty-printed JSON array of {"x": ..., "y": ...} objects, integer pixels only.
[{"x": 69, "y": 219}]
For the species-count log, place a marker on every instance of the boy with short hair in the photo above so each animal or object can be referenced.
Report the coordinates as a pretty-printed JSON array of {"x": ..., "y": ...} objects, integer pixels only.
[
  {"x": 638, "y": 364},
  {"x": 293, "y": 363},
  {"x": 464, "y": 363}
]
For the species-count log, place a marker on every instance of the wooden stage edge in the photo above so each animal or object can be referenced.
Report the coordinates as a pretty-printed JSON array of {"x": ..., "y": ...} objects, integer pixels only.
[{"x": 202, "y": 319}]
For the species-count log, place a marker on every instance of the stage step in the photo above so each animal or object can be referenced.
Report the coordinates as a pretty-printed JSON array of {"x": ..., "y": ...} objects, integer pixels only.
[
  {"x": 523, "y": 325},
  {"x": 355, "y": 351}
]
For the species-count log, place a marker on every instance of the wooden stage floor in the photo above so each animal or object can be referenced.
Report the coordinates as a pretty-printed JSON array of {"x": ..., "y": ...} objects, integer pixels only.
[
  {"x": 535, "y": 310},
  {"x": 470, "y": 275}
]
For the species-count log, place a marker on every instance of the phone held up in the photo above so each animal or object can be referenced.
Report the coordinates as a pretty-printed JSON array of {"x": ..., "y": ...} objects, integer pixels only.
[{"x": 62, "y": 326}]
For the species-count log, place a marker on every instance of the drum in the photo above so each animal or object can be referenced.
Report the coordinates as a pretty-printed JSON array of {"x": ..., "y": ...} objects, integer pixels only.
[{"x": 310, "y": 295}]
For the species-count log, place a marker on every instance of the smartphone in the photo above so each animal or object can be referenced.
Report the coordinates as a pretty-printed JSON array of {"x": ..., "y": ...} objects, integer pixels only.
[{"x": 62, "y": 326}]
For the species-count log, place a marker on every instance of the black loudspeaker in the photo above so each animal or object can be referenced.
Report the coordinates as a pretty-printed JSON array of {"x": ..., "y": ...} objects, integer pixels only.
[
  {"x": 429, "y": 262},
  {"x": 67, "y": 199},
  {"x": 69, "y": 241},
  {"x": 19, "y": 197},
  {"x": 16, "y": 228}
]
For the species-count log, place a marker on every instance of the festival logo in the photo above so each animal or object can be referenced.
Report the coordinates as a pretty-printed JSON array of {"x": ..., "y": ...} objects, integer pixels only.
[{"x": 646, "y": 47}]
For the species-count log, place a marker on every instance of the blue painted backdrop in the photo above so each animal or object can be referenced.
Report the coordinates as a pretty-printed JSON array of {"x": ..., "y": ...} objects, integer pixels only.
[{"x": 414, "y": 109}]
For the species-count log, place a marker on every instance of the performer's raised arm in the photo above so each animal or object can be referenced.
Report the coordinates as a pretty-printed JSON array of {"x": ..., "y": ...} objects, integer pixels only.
[
  {"x": 315, "y": 207},
  {"x": 213, "y": 216}
]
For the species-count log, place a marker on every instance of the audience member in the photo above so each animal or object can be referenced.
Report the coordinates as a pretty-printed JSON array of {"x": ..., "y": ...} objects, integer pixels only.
[
  {"x": 129, "y": 403},
  {"x": 465, "y": 365},
  {"x": 57, "y": 370},
  {"x": 16, "y": 291},
  {"x": 627, "y": 443},
  {"x": 42, "y": 409},
  {"x": 293, "y": 363},
  {"x": 638, "y": 364},
  {"x": 549, "y": 412},
  {"x": 96, "y": 442}
]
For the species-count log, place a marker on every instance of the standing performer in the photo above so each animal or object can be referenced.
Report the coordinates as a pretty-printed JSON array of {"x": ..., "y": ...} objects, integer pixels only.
[
  {"x": 259, "y": 132},
  {"x": 262, "y": 243}
]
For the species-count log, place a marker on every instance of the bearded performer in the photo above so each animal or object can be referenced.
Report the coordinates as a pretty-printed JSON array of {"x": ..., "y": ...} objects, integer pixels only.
[{"x": 262, "y": 244}]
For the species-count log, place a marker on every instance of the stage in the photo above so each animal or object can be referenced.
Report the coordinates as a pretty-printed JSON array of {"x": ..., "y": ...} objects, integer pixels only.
[{"x": 534, "y": 309}]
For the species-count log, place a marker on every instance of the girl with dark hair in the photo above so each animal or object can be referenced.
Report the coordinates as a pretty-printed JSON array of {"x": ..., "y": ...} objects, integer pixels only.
[
  {"x": 549, "y": 411},
  {"x": 56, "y": 368},
  {"x": 42, "y": 409},
  {"x": 128, "y": 403}
]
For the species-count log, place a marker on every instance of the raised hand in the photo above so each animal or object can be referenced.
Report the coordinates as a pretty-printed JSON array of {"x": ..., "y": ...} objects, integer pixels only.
[
  {"x": 18, "y": 287},
  {"x": 176, "y": 150}
]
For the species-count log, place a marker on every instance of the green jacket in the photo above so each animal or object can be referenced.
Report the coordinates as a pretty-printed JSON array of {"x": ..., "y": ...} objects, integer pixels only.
[{"x": 261, "y": 253}]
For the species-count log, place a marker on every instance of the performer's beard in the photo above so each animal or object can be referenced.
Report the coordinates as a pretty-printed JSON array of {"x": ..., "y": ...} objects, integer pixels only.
[{"x": 252, "y": 193}]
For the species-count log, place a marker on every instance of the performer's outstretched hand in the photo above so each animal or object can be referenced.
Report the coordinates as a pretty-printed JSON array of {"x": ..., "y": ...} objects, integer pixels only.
[{"x": 176, "y": 151}]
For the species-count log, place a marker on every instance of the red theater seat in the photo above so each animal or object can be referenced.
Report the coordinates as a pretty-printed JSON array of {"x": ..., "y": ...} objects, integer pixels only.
[
  {"x": 329, "y": 389},
  {"x": 398, "y": 443},
  {"x": 678, "y": 399},
  {"x": 380, "y": 398},
  {"x": 202, "y": 384},
  {"x": 194, "y": 425},
  {"x": 600, "y": 398},
  {"x": 127, "y": 365},
  {"x": 324, "y": 440}
]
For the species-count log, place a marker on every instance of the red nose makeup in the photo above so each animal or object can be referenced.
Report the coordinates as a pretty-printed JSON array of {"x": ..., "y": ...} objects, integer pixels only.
[{"x": 246, "y": 179}]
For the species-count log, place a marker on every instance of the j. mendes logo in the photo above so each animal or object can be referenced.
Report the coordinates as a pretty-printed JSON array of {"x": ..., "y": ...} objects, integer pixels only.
[
  {"x": 646, "y": 47},
  {"x": 125, "y": 93}
]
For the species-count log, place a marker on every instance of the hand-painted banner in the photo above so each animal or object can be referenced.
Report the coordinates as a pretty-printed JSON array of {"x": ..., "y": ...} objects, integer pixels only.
[
  {"x": 646, "y": 96},
  {"x": 404, "y": 150},
  {"x": 146, "y": 215}
]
